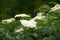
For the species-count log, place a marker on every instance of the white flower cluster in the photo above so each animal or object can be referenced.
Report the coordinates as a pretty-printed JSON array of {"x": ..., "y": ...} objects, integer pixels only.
[
  {"x": 13, "y": 19},
  {"x": 22, "y": 15},
  {"x": 8, "y": 20},
  {"x": 31, "y": 23},
  {"x": 26, "y": 23},
  {"x": 39, "y": 16},
  {"x": 56, "y": 7}
]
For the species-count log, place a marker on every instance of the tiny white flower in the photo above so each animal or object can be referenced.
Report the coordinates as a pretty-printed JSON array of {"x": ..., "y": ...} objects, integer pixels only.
[
  {"x": 22, "y": 15},
  {"x": 26, "y": 23},
  {"x": 8, "y": 20},
  {"x": 56, "y": 7},
  {"x": 19, "y": 30},
  {"x": 39, "y": 16}
]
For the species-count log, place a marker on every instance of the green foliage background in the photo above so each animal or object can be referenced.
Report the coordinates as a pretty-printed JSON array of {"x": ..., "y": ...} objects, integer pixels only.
[
  {"x": 8, "y": 8},
  {"x": 50, "y": 28}
]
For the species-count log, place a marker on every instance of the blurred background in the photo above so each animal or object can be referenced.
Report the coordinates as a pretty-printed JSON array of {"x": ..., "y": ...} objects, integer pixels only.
[
  {"x": 9, "y": 8},
  {"x": 47, "y": 29}
]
